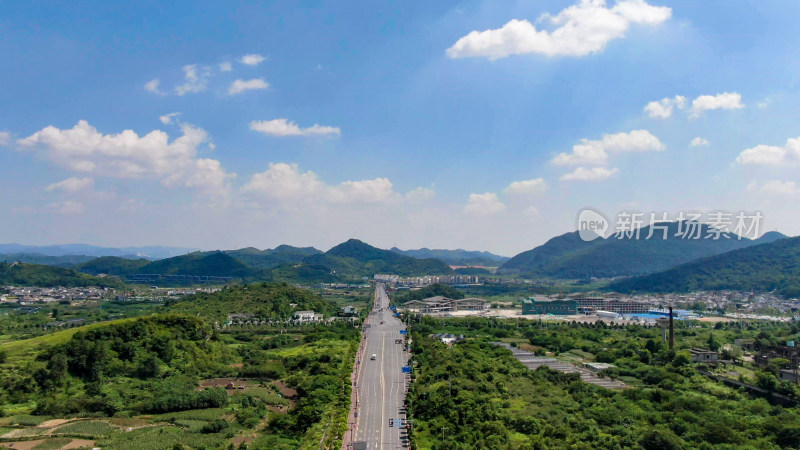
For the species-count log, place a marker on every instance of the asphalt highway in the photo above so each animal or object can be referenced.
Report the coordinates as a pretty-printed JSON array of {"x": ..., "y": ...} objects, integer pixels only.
[{"x": 381, "y": 385}]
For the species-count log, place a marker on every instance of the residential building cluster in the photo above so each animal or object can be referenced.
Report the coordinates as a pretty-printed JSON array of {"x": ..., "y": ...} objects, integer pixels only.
[
  {"x": 30, "y": 295},
  {"x": 154, "y": 278},
  {"x": 738, "y": 304},
  {"x": 412, "y": 282}
]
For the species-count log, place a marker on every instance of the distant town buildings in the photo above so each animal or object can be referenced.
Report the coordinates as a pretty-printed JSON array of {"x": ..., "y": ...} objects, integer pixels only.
[
  {"x": 30, "y": 295},
  {"x": 546, "y": 305},
  {"x": 439, "y": 304},
  {"x": 411, "y": 282},
  {"x": 154, "y": 278}
]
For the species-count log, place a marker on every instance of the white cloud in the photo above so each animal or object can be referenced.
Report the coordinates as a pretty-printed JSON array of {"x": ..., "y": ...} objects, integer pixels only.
[
  {"x": 240, "y": 86},
  {"x": 484, "y": 204},
  {"x": 252, "y": 59},
  {"x": 5, "y": 137},
  {"x": 770, "y": 155},
  {"x": 726, "y": 100},
  {"x": 378, "y": 190},
  {"x": 662, "y": 109},
  {"x": 225, "y": 67},
  {"x": 596, "y": 152},
  {"x": 196, "y": 80},
  {"x": 284, "y": 182},
  {"x": 775, "y": 187},
  {"x": 152, "y": 86},
  {"x": 127, "y": 155},
  {"x": 67, "y": 207},
  {"x": 166, "y": 119},
  {"x": 71, "y": 185},
  {"x": 283, "y": 127},
  {"x": 589, "y": 174},
  {"x": 286, "y": 185},
  {"x": 420, "y": 195},
  {"x": 699, "y": 142},
  {"x": 579, "y": 30},
  {"x": 526, "y": 187}
]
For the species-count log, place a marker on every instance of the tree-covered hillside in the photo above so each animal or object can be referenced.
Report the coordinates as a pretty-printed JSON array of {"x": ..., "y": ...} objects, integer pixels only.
[
  {"x": 264, "y": 300},
  {"x": 269, "y": 258},
  {"x": 201, "y": 263},
  {"x": 176, "y": 379},
  {"x": 111, "y": 265},
  {"x": 474, "y": 394},
  {"x": 350, "y": 260},
  {"x": 24, "y": 274},
  {"x": 456, "y": 257},
  {"x": 356, "y": 259},
  {"x": 551, "y": 250},
  {"x": 38, "y": 258},
  {"x": 773, "y": 266},
  {"x": 567, "y": 256}
]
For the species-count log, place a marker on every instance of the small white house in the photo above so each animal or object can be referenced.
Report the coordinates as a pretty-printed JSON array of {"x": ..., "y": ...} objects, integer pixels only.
[{"x": 307, "y": 316}]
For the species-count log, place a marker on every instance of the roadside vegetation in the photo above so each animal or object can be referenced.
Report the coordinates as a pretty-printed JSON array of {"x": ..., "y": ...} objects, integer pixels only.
[
  {"x": 185, "y": 376},
  {"x": 474, "y": 394}
]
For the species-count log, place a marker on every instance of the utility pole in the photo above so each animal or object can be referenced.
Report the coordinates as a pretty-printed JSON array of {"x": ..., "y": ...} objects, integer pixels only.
[{"x": 671, "y": 330}]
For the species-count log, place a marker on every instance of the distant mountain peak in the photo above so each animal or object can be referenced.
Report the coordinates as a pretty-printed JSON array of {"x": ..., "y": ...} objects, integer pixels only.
[
  {"x": 771, "y": 236},
  {"x": 359, "y": 250}
]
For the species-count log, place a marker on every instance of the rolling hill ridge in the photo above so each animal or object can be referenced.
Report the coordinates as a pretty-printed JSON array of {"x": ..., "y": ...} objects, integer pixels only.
[
  {"x": 569, "y": 257},
  {"x": 773, "y": 266}
]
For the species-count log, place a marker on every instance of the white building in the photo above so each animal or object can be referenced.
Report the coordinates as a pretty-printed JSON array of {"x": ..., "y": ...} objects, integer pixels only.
[{"x": 308, "y": 316}]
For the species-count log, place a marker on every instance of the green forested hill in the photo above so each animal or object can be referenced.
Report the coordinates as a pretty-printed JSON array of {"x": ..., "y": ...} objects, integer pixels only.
[
  {"x": 24, "y": 274},
  {"x": 269, "y": 258},
  {"x": 551, "y": 250},
  {"x": 567, "y": 256},
  {"x": 38, "y": 258},
  {"x": 456, "y": 257},
  {"x": 352, "y": 259},
  {"x": 111, "y": 265},
  {"x": 765, "y": 267},
  {"x": 217, "y": 264},
  {"x": 266, "y": 300},
  {"x": 201, "y": 263},
  {"x": 355, "y": 259},
  {"x": 304, "y": 273}
]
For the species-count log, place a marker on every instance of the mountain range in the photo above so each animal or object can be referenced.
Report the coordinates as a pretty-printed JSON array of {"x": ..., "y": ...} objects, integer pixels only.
[
  {"x": 569, "y": 257},
  {"x": 457, "y": 257},
  {"x": 771, "y": 266},
  {"x": 147, "y": 252},
  {"x": 349, "y": 260},
  {"x": 665, "y": 262}
]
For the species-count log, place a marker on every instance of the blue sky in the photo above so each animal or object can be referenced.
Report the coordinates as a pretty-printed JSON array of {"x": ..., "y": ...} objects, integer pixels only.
[{"x": 479, "y": 124}]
